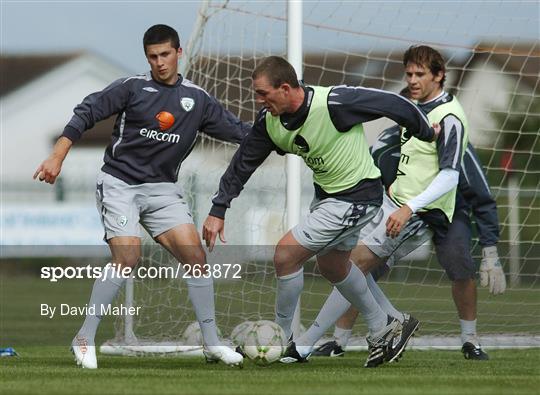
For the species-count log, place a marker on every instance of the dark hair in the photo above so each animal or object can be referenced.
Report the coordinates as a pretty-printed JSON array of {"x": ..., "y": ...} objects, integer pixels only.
[
  {"x": 277, "y": 70},
  {"x": 159, "y": 34},
  {"x": 423, "y": 55}
]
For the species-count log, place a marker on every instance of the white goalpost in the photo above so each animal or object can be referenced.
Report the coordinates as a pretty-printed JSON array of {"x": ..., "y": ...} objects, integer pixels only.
[
  {"x": 495, "y": 77},
  {"x": 294, "y": 163}
]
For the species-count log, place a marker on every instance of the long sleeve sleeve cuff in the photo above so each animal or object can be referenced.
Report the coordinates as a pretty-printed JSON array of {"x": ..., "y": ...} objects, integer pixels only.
[
  {"x": 71, "y": 133},
  {"x": 218, "y": 211},
  {"x": 427, "y": 137}
]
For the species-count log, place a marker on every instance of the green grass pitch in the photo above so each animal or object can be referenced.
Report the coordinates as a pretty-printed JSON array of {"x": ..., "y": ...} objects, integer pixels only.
[
  {"x": 51, "y": 370},
  {"x": 46, "y": 366}
]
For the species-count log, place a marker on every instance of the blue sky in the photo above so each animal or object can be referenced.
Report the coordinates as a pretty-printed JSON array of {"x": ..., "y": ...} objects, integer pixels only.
[{"x": 115, "y": 29}]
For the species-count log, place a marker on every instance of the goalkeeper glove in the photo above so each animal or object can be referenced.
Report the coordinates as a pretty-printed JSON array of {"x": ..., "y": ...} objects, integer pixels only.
[{"x": 491, "y": 271}]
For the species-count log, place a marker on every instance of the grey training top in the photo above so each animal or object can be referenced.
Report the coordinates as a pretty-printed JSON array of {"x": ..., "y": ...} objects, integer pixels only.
[
  {"x": 156, "y": 126},
  {"x": 347, "y": 106},
  {"x": 473, "y": 194}
]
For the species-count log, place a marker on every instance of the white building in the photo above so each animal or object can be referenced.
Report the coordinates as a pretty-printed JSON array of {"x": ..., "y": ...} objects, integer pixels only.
[
  {"x": 36, "y": 101},
  {"x": 37, "y": 96}
]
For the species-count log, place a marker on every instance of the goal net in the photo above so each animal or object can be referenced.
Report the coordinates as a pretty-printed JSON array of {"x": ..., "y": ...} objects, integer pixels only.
[{"x": 492, "y": 68}]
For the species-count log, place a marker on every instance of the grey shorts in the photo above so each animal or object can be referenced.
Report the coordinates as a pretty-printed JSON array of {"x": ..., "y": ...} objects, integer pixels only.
[
  {"x": 413, "y": 235},
  {"x": 332, "y": 224},
  {"x": 158, "y": 207}
]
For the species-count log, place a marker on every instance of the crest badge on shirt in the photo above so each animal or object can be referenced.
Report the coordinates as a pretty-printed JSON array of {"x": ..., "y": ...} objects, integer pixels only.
[
  {"x": 187, "y": 103},
  {"x": 121, "y": 220}
]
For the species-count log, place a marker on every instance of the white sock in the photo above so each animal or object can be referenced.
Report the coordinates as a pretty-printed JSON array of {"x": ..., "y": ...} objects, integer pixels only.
[
  {"x": 103, "y": 293},
  {"x": 354, "y": 288},
  {"x": 468, "y": 331},
  {"x": 334, "y": 307},
  {"x": 382, "y": 300},
  {"x": 201, "y": 295},
  {"x": 289, "y": 288},
  {"x": 342, "y": 336}
]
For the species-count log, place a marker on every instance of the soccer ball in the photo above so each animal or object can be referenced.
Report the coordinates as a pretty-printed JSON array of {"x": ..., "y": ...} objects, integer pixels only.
[
  {"x": 238, "y": 334},
  {"x": 192, "y": 335},
  {"x": 265, "y": 342}
]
